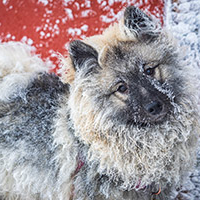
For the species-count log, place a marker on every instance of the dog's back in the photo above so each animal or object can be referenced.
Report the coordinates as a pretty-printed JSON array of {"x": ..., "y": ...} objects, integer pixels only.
[{"x": 30, "y": 102}]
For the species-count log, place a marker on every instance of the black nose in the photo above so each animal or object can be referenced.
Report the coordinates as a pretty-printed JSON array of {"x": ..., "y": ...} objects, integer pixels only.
[{"x": 154, "y": 108}]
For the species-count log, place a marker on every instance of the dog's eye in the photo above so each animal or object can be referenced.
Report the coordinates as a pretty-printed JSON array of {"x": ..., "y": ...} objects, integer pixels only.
[
  {"x": 122, "y": 88},
  {"x": 150, "y": 71}
]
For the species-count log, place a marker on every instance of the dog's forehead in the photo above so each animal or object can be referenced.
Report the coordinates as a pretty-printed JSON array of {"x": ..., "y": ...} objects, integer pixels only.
[{"x": 126, "y": 54}]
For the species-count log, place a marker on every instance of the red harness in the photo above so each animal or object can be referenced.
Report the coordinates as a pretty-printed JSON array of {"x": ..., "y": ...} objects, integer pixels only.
[{"x": 80, "y": 165}]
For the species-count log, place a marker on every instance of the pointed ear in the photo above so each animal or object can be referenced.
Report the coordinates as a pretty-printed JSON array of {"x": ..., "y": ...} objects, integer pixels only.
[
  {"x": 140, "y": 24},
  {"x": 82, "y": 55}
]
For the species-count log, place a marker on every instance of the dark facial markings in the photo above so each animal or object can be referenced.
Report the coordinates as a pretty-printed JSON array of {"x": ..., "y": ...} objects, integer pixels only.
[
  {"x": 142, "y": 103},
  {"x": 122, "y": 86}
]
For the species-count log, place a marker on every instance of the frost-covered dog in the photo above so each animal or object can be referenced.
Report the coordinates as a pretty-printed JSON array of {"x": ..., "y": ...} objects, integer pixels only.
[{"x": 122, "y": 123}]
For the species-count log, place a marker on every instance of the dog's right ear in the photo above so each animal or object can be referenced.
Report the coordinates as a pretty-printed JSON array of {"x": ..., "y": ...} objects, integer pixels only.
[
  {"x": 140, "y": 24},
  {"x": 83, "y": 56}
]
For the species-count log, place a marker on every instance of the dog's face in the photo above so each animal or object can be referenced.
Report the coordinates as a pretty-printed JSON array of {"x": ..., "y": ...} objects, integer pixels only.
[
  {"x": 133, "y": 83},
  {"x": 136, "y": 77},
  {"x": 126, "y": 103}
]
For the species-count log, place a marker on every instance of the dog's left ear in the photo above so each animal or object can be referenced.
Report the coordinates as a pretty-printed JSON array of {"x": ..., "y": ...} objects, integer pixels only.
[
  {"x": 83, "y": 56},
  {"x": 140, "y": 24}
]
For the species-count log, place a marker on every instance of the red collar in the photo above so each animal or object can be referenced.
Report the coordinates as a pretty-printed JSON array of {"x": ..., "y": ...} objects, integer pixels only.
[{"x": 79, "y": 166}]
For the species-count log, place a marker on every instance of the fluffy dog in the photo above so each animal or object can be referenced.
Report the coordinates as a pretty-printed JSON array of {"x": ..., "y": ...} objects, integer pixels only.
[{"x": 121, "y": 124}]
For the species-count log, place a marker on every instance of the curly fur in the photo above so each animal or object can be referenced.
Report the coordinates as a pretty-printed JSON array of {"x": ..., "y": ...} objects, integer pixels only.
[
  {"x": 130, "y": 156},
  {"x": 48, "y": 126},
  {"x": 18, "y": 64}
]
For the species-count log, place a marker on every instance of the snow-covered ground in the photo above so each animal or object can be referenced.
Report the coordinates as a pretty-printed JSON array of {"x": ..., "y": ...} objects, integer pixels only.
[{"x": 183, "y": 16}]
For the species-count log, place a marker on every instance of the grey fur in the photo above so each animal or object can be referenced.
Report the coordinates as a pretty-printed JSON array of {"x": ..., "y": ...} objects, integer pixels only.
[
  {"x": 28, "y": 119},
  {"x": 140, "y": 24},
  {"x": 128, "y": 69}
]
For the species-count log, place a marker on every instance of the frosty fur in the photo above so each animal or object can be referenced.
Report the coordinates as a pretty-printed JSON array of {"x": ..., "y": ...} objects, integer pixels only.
[{"x": 84, "y": 118}]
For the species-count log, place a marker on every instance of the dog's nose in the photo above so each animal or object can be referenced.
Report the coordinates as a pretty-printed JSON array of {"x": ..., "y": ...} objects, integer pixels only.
[{"x": 154, "y": 108}]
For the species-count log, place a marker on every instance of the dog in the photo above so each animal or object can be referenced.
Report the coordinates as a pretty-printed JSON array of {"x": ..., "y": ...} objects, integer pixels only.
[{"x": 120, "y": 123}]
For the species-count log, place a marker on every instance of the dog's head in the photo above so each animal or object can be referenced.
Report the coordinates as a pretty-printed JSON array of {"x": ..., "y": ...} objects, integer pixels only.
[
  {"x": 129, "y": 102},
  {"x": 132, "y": 82}
]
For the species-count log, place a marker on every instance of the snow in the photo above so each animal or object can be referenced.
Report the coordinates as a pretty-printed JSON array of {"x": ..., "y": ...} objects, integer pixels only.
[
  {"x": 65, "y": 2},
  {"x": 5, "y": 2},
  {"x": 84, "y": 27},
  {"x": 111, "y": 16},
  {"x": 184, "y": 19},
  {"x": 8, "y": 35},
  {"x": 74, "y": 31},
  {"x": 27, "y": 40},
  {"x": 45, "y": 2},
  {"x": 57, "y": 21},
  {"x": 88, "y": 13},
  {"x": 69, "y": 13},
  {"x": 48, "y": 35},
  {"x": 42, "y": 34},
  {"x": 111, "y": 2},
  {"x": 99, "y": 1},
  {"x": 87, "y": 3}
]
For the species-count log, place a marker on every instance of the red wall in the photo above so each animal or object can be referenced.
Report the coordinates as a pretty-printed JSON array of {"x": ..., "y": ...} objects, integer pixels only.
[{"x": 50, "y": 24}]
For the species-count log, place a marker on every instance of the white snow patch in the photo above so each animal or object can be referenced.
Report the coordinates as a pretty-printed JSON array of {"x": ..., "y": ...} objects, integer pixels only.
[
  {"x": 57, "y": 21},
  {"x": 111, "y": 2},
  {"x": 45, "y": 2},
  {"x": 87, "y": 3},
  {"x": 87, "y": 13},
  {"x": 48, "y": 35},
  {"x": 48, "y": 11},
  {"x": 27, "y": 40},
  {"x": 184, "y": 21},
  {"x": 42, "y": 33},
  {"x": 8, "y": 35},
  {"x": 111, "y": 17},
  {"x": 104, "y": 3},
  {"x": 65, "y": 2},
  {"x": 55, "y": 26},
  {"x": 66, "y": 45},
  {"x": 57, "y": 32},
  {"x": 69, "y": 13},
  {"x": 99, "y": 1},
  {"x": 5, "y": 2},
  {"x": 84, "y": 27},
  {"x": 74, "y": 31},
  {"x": 38, "y": 29}
]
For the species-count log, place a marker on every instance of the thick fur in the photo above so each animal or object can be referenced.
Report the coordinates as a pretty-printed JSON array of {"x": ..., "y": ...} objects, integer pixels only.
[{"x": 97, "y": 134}]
